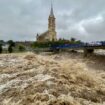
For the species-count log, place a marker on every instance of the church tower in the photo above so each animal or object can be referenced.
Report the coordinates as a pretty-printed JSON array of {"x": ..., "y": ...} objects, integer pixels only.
[
  {"x": 52, "y": 25},
  {"x": 50, "y": 34}
]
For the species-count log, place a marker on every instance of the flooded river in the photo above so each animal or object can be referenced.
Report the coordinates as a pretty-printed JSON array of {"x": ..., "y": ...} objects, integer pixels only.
[{"x": 52, "y": 79}]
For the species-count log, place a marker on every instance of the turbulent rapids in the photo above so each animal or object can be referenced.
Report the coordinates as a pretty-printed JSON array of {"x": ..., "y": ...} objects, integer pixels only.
[{"x": 47, "y": 79}]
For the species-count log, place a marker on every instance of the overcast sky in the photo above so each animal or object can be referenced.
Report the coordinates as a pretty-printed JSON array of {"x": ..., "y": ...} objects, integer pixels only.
[{"x": 23, "y": 19}]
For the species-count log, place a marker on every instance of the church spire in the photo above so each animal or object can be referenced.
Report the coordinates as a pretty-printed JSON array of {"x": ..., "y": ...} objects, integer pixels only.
[{"x": 51, "y": 12}]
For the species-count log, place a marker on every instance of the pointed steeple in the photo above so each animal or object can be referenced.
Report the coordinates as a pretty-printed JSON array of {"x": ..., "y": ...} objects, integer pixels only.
[{"x": 51, "y": 12}]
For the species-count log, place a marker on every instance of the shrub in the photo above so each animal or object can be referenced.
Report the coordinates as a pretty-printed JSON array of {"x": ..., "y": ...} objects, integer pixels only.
[
  {"x": 10, "y": 49},
  {"x": 1, "y": 49},
  {"x": 59, "y": 42},
  {"x": 21, "y": 48}
]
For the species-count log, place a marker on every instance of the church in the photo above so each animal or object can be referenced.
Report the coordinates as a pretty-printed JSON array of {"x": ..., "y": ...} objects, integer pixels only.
[{"x": 50, "y": 34}]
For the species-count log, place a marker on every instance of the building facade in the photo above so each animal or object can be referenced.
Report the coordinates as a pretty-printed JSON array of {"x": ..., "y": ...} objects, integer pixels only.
[{"x": 50, "y": 34}]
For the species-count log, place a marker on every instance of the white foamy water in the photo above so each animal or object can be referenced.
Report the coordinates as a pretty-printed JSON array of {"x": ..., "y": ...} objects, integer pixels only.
[
  {"x": 101, "y": 52},
  {"x": 46, "y": 79}
]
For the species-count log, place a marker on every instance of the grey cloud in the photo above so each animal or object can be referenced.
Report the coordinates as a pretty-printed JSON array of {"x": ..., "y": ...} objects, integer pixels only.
[{"x": 22, "y": 19}]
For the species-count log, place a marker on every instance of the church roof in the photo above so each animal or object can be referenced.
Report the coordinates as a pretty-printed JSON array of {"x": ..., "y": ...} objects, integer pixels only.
[{"x": 43, "y": 34}]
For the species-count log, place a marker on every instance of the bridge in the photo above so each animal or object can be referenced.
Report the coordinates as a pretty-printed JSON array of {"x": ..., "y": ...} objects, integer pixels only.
[{"x": 88, "y": 48}]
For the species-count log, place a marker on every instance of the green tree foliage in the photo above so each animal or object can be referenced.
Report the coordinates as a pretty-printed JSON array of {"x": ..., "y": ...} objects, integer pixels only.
[
  {"x": 10, "y": 49},
  {"x": 41, "y": 44},
  {"x": 1, "y": 42},
  {"x": 59, "y": 42},
  {"x": 21, "y": 48},
  {"x": 73, "y": 40},
  {"x": 1, "y": 49},
  {"x": 11, "y": 43}
]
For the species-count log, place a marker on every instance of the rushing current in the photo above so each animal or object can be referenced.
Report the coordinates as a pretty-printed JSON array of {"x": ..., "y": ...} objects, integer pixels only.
[{"x": 52, "y": 79}]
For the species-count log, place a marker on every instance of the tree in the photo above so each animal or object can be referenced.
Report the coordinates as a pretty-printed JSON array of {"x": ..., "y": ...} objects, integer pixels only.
[
  {"x": 73, "y": 40},
  {"x": 21, "y": 48},
  {"x": 1, "y": 42},
  {"x": 78, "y": 41},
  {"x": 1, "y": 49},
  {"x": 11, "y": 43},
  {"x": 10, "y": 49}
]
